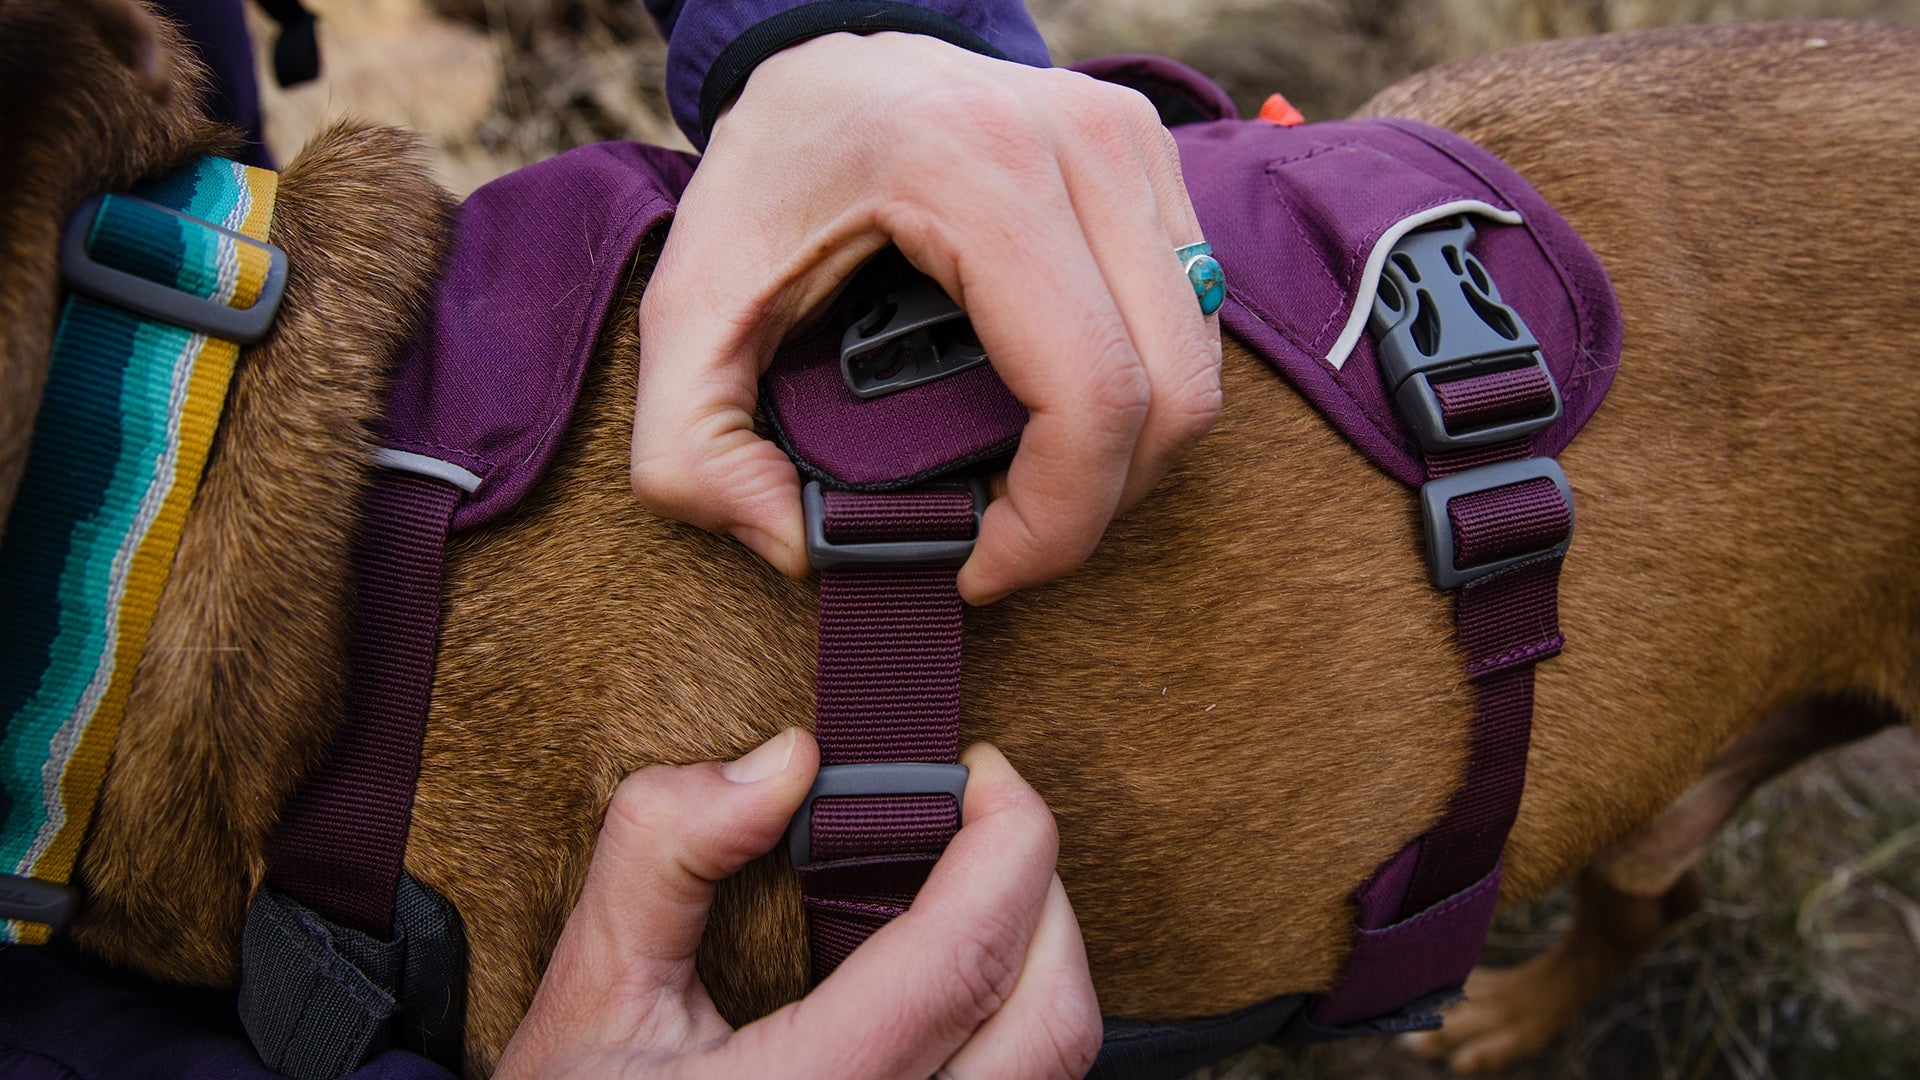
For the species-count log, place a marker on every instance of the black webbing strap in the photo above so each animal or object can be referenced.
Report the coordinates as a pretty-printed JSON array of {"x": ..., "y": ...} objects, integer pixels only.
[{"x": 319, "y": 1000}]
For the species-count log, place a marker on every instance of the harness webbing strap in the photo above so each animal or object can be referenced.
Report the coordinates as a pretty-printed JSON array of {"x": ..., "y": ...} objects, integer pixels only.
[
  {"x": 342, "y": 837},
  {"x": 887, "y": 690},
  {"x": 1505, "y": 624},
  {"x": 1424, "y": 914}
]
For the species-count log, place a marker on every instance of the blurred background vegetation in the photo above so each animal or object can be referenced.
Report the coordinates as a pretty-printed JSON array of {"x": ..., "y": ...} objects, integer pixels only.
[{"x": 1806, "y": 961}]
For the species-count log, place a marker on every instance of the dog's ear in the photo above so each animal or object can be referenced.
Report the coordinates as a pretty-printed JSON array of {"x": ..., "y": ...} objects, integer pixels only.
[{"x": 129, "y": 30}]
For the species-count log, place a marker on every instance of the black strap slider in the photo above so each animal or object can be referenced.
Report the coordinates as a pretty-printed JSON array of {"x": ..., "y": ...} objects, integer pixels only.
[
  {"x": 1439, "y": 318},
  {"x": 912, "y": 335}
]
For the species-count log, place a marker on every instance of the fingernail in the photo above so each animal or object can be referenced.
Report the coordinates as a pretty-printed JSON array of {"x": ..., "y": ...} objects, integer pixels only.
[{"x": 767, "y": 759}]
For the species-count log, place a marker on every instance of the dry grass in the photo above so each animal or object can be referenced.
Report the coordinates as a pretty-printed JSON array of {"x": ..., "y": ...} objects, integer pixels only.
[
  {"x": 1805, "y": 961},
  {"x": 496, "y": 84}
]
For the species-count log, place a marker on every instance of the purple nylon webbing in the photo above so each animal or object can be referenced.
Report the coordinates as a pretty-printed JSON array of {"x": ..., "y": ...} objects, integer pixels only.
[
  {"x": 341, "y": 839},
  {"x": 887, "y": 690},
  {"x": 1424, "y": 914},
  {"x": 1505, "y": 624},
  {"x": 844, "y": 827},
  {"x": 1508, "y": 521},
  {"x": 1495, "y": 398}
]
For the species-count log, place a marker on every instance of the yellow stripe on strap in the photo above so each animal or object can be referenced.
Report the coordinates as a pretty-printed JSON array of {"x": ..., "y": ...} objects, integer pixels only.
[{"x": 146, "y": 578}]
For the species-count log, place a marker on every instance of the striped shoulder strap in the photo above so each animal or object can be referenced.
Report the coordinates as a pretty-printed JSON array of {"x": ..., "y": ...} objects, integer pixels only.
[{"x": 163, "y": 286}]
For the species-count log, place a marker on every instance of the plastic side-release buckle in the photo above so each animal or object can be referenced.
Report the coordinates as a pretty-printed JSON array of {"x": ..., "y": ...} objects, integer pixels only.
[
  {"x": 1436, "y": 494},
  {"x": 873, "y": 778},
  {"x": 914, "y": 334},
  {"x": 827, "y": 555},
  {"x": 80, "y": 272},
  {"x": 1438, "y": 317}
]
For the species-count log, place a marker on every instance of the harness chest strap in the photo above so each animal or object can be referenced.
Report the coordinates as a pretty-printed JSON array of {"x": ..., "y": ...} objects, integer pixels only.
[
  {"x": 1469, "y": 380},
  {"x": 164, "y": 285},
  {"x": 887, "y": 706},
  {"x": 344, "y": 953}
]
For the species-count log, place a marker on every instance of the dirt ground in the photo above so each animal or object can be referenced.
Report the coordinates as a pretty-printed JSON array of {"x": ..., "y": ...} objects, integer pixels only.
[{"x": 1805, "y": 962}]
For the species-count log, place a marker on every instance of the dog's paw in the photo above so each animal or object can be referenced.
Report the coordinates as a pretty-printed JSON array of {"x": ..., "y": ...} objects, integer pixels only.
[{"x": 1508, "y": 1016}]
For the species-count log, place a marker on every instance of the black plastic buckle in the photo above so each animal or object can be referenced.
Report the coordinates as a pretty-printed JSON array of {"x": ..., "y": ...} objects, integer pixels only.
[
  {"x": 1439, "y": 317},
  {"x": 81, "y": 273},
  {"x": 1436, "y": 494},
  {"x": 913, "y": 335},
  {"x": 32, "y": 900},
  {"x": 878, "y": 778},
  {"x": 826, "y": 555}
]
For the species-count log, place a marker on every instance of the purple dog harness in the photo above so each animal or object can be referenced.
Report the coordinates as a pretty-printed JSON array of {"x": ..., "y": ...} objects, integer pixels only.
[{"x": 1417, "y": 291}]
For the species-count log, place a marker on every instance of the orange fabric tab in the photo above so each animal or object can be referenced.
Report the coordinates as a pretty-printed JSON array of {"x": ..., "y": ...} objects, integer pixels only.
[{"x": 1278, "y": 110}]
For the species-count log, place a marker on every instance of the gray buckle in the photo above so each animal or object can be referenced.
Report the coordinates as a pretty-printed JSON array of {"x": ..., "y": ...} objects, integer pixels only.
[
  {"x": 35, "y": 901},
  {"x": 1436, "y": 494},
  {"x": 826, "y": 555},
  {"x": 913, "y": 335},
  {"x": 81, "y": 273},
  {"x": 1438, "y": 317},
  {"x": 878, "y": 778}
]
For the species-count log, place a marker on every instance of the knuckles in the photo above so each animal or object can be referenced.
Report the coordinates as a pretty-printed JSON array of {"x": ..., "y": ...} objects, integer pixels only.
[
  {"x": 1117, "y": 392},
  {"x": 644, "y": 802},
  {"x": 1194, "y": 403},
  {"x": 981, "y": 966}
]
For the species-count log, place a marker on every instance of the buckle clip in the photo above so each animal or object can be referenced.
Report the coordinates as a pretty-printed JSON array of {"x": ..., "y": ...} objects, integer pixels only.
[
  {"x": 81, "y": 273},
  {"x": 827, "y": 555},
  {"x": 1438, "y": 317},
  {"x": 1436, "y": 494},
  {"x": 876, "y": 778},
  {"x": 912, "y": 335}
]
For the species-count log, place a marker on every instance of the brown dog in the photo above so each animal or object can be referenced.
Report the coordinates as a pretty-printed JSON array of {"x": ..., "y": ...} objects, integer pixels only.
[{"x": 1237, "y": 709}]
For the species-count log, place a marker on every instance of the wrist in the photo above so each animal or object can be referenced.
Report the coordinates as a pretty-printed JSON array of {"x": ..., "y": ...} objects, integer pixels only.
[{"x": 995, "y": 28}]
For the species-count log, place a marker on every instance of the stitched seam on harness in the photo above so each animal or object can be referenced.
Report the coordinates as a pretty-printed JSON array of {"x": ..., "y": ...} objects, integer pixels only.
[
  {"x": 575, "y": 359},
  {"x": 422, "y": 444},
  {"x": 1457, "y": 900},
  {"x": 1531, "y": 652},
  {"x": 1581, "y": 300},
  {"x": 880, "y": 910}
]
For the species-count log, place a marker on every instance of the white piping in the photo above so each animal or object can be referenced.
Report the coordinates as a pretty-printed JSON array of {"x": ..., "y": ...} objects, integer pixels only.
[{"x": 1377, "y": 261}]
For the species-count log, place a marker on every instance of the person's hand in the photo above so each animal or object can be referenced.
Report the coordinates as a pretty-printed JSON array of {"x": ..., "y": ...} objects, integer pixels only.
[
  {"x": 1048, "y": 205},
  {"x": 984, "y": 976}
]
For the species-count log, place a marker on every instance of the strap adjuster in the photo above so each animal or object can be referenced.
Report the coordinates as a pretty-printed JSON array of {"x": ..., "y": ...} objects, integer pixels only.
[
  {"x": 827, "y": 555},
  {"x": 1439, "y": 318},
  {"x": 82, "y": 273},
  {"x": 48, "y": 903},
  {"x": 1436, "y": 494},
  {"x": 876, "y": 778}
]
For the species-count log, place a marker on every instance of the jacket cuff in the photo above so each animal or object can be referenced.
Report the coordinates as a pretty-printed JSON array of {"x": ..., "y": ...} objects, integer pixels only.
[{"x": 714, "y": 45}]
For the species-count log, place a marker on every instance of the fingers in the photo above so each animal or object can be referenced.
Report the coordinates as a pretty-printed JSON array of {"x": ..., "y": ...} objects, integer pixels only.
[
  {"x": 622, "y": 973},
  {"x": 748, "y": 257},
  {"x": 1135, "y": 221},
  {"x": 1062, "y": 347},
  {"x": 1050, "y": 1026},
  {"x": 906, "y": 1000},
  {"x": 1088, "y": 318},
  {"x": 1048, "y": 205}
]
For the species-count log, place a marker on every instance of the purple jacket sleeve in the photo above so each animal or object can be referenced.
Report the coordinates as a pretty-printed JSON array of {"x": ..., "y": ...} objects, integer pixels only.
[{"x": 713, "y": 45}]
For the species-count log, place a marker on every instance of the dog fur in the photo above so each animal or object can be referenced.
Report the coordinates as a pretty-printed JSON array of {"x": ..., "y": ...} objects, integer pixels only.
[{"x": 1245, "y": 701}]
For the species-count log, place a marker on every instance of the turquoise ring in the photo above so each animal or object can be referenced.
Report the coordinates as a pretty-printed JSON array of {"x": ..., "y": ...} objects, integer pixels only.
[{"x": 1204, "y": 273}]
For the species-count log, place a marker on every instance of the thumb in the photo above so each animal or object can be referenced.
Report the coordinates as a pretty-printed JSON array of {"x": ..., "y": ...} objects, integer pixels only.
[{"x": 671, "y": 834}]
